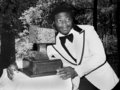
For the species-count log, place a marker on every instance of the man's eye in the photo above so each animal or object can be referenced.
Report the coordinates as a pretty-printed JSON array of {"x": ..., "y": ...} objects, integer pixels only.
[
  {"x": 59, "y": 21},
  {"x": 68, "y": 19}
]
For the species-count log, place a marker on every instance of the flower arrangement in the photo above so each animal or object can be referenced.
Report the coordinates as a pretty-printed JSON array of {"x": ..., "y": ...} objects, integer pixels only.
[
  {"x": 36, "y": 15},
  {"x": 33, "y": 16}
]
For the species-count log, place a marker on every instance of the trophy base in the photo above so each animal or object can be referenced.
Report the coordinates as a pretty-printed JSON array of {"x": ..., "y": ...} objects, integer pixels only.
[{"x": 38, "y": 68}]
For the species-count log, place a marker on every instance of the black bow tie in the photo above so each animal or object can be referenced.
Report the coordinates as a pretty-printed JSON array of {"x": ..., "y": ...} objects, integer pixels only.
[{"x": 69, "y": 37}]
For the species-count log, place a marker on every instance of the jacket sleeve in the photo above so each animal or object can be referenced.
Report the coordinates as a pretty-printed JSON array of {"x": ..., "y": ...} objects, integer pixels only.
[{"x": 97, "y": 55}]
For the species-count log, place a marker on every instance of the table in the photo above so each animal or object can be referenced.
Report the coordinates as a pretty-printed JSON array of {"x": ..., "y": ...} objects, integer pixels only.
[{"x": 23, "y": 82}]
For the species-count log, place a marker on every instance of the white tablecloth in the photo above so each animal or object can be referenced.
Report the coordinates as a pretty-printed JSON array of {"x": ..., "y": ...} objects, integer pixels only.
[{"x": 23, "y": 82}]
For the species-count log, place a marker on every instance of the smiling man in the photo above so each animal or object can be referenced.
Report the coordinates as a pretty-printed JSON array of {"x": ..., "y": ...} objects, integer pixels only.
[{"x": 81, "y": 51}]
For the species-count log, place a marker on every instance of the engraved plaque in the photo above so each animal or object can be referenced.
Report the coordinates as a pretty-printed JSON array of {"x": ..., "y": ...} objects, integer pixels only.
[{"x": 41, "y": 35}]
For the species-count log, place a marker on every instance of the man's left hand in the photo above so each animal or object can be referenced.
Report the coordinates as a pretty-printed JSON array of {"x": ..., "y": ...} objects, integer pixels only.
[{"x": 67, "y": 72}]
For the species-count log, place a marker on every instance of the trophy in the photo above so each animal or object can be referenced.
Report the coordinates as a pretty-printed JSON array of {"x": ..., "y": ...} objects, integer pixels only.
[{"x": 40, "y": 65}]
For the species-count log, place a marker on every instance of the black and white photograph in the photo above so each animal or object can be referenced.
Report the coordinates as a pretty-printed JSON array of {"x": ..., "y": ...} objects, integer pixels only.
[{"x": 59, "y": 44}]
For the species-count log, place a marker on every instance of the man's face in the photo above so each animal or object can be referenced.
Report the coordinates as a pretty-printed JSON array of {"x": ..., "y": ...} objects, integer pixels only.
[{"x": 63, "y": 22}]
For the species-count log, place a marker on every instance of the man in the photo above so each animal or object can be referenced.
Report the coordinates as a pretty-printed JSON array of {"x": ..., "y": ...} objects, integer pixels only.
[{"x": 81, "y": 51}]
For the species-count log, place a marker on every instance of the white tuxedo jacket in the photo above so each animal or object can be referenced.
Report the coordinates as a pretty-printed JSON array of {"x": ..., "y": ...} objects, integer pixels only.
[{"x": 91, "y": 62}]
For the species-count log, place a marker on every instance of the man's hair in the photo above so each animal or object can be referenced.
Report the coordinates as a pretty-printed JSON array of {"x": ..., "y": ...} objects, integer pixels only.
[{"x": 62, "y": 7}]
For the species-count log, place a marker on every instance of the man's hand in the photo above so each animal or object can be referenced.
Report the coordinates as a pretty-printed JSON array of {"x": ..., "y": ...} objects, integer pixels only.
[
  {"x": 67, "y": 72},
  {"x": 10, "y": 71}
]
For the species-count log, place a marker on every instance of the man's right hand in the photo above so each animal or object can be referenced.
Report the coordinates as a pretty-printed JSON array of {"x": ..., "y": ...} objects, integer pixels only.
[{"x": 10, "y": 71}]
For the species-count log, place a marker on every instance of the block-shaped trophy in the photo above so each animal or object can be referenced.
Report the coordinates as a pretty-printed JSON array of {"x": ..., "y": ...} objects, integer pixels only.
[{"x": 40, "y": 65}]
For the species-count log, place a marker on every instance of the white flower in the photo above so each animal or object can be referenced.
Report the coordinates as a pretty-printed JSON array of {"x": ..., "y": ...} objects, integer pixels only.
[
  {"x": 35, "y": 15},
  {"x": 22, "y": 45}
]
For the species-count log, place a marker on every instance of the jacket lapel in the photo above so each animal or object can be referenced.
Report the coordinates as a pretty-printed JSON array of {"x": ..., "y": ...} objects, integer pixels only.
[
  {"x": 79, "y": 46},
  {"x": 78, "y": 49}
]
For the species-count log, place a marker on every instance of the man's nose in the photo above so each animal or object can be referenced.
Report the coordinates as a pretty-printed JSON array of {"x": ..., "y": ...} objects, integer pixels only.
[{"x": 64, "y": 23}]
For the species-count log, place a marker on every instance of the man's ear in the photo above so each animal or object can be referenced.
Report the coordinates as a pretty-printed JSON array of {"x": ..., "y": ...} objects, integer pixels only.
[{"x": 53, "y": 25}]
